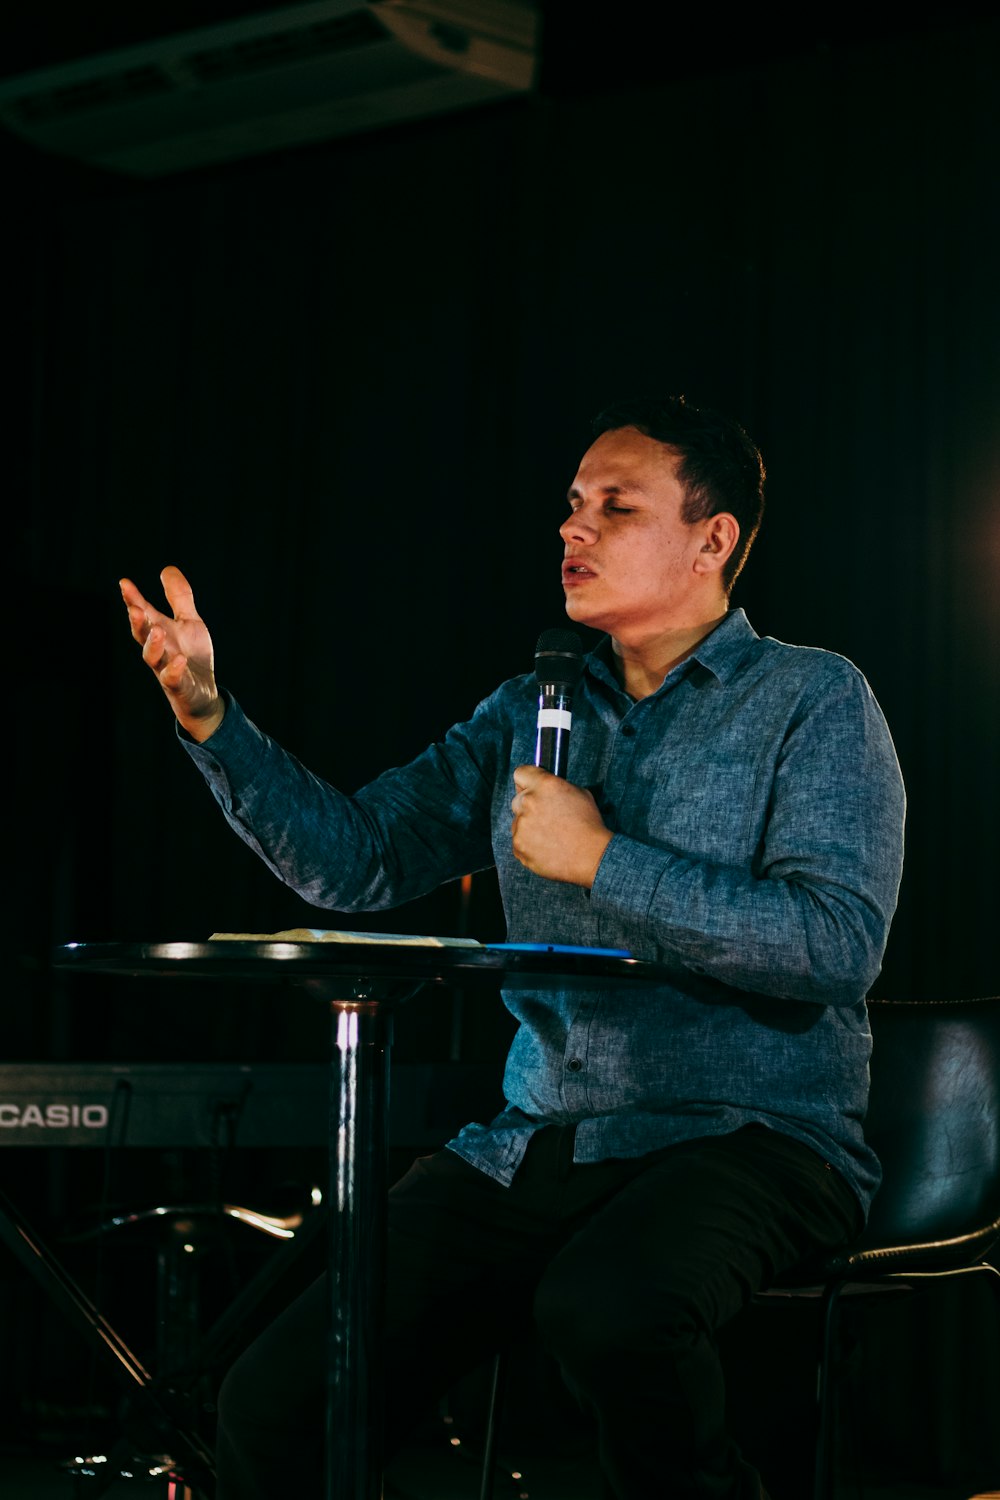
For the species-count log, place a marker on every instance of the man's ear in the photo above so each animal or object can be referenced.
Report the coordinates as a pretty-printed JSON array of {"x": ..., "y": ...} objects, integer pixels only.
[{"x": 721, "y": 535}]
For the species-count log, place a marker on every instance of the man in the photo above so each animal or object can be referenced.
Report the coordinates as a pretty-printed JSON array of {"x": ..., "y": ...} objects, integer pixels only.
[{"x": 733, "y": 811}]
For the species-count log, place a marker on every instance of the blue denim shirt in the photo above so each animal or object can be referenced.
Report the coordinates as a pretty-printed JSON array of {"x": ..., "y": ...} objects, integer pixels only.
[{"x": 757, "y": 809}]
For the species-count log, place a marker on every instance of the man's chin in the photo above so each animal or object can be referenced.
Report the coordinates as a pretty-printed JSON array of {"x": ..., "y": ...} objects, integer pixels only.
[{"x": 576, "y": 609}]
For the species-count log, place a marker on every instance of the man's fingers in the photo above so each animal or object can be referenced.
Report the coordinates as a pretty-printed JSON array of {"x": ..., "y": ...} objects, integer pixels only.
[
  {"x": 141, "y": 613},
  {"x": 173, "y": 674},
  {"x": 131, "y": 595},
  {"x": 153, "y": 646},
  {"x": 139, "y": 623},
  {"x": 180, "y": 595},
  {"x": 524, "y": 776}
]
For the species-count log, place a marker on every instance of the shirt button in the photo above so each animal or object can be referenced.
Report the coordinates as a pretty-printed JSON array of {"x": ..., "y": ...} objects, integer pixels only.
[
  {"x": 574, "y": 1065},
  {"x": 628, "y": 730}
]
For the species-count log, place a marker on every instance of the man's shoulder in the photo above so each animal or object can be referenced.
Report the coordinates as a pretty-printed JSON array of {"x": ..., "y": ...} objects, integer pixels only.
[
  {"x": 512, "y": 690},
  {"x": 809, "y": 659},
  {"x": 505, "y": 704},
  {"x": 797, "y": 680},
  {"x": 750, "y": 656}
]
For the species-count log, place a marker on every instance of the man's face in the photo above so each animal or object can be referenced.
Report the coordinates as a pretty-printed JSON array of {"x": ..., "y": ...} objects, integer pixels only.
[{"x": 629, "y": 563}]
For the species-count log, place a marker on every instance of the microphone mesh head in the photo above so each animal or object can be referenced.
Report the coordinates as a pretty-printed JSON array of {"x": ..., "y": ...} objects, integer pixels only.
[{"x": 559, "y": 657}]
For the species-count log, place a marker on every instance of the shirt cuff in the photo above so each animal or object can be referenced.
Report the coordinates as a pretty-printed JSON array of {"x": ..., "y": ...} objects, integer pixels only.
[
  {"x": 625, "y": 884},
  {"x": 231, "y": 756}
]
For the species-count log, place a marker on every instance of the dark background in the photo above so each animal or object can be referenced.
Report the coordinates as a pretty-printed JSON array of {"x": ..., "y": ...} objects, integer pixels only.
[{"x": 345, "y": 387}]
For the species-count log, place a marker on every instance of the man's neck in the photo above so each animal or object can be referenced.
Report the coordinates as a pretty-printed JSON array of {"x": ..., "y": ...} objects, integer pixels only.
[{"x": 642, "y": 665}]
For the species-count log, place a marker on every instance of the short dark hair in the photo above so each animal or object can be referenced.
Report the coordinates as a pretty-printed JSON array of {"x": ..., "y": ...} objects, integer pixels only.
[{"x": 721, "y": 468}]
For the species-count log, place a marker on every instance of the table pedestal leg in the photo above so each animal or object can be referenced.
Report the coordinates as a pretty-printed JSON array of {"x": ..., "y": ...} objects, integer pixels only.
[{"x": 359, "y": 1098}]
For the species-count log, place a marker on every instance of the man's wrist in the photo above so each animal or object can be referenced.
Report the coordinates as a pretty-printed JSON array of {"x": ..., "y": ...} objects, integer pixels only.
[
  {"x": 203, "y": 726},
  {"x": 605, "y": 840}
]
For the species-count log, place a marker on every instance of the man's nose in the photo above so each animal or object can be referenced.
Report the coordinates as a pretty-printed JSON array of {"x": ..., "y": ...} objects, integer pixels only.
[{"x": 579, "y": 527}]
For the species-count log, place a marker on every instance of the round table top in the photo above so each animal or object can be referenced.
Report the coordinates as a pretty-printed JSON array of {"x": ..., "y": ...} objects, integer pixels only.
[{"x": 492, "y": 966}]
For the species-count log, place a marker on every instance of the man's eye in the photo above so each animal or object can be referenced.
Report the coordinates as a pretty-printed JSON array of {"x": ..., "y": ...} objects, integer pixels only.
[{"x": 621, "y": 510}]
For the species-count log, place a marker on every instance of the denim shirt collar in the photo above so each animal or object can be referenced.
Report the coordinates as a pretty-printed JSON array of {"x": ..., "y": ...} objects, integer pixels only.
[{"x": 720, "y": 652}]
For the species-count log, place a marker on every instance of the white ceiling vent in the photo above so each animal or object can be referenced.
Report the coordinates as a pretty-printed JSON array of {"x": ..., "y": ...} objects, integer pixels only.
[{"x": 282, "y": 78}]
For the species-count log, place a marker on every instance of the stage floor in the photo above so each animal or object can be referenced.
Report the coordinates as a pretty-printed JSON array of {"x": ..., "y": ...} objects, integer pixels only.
[{"x": 426, "y": 1473}]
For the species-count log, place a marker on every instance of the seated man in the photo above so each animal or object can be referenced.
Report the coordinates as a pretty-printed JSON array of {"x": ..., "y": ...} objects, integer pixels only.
[{"x": 733, "y": 811}]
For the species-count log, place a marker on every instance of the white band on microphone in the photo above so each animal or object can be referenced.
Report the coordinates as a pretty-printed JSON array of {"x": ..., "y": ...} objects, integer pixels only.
[{"x": 554, "y": 718}]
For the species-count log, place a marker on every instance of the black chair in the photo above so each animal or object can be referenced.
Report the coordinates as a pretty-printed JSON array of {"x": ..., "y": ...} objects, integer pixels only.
[{"x": 934, "y": 1119}]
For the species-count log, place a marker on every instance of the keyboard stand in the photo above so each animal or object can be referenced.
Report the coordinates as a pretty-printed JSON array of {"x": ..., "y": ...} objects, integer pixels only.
[{"x": 155, "y": 1401}]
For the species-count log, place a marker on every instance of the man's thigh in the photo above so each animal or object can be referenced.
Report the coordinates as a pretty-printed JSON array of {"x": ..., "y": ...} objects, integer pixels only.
[
  {"x": 463, "y": 1256},
  {"x": 702, "y": 1227},
  {"x": 465, "y": 1253},
  {"x": 451, "y": 1234}
]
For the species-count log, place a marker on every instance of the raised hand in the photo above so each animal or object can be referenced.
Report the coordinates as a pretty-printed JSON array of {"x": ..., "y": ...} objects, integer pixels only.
[{"x": 178, "y": 648}]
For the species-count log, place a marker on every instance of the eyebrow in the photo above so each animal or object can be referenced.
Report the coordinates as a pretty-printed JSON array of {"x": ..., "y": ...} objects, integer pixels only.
[{"x": 609, "y": 489}]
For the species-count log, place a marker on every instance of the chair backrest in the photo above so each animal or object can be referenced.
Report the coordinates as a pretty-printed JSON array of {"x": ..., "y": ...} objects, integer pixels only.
[{"x": 934, "y": 1120}]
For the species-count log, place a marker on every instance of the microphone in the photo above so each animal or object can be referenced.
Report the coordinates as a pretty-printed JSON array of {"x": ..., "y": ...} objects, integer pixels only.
[{"x": 558, "y": 665}]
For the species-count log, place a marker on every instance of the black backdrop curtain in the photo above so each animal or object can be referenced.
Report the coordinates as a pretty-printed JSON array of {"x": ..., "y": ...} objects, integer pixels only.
[{"x": 345, "y": 389}]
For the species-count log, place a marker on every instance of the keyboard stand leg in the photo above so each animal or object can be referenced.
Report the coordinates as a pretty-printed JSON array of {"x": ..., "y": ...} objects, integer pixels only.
[{"x": 192, "y": 1453}]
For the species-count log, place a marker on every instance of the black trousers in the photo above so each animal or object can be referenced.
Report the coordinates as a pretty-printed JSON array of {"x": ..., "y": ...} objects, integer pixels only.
[{"x": 628, "y": 1266}]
